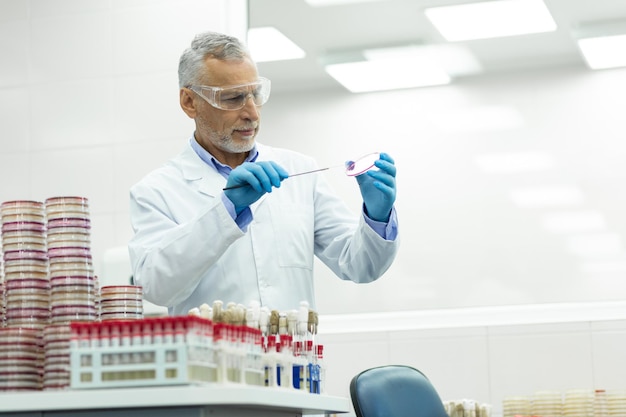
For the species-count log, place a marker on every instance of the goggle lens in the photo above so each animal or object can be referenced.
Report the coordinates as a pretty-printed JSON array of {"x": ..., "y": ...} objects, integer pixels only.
[{"x": 235, "y": 97}]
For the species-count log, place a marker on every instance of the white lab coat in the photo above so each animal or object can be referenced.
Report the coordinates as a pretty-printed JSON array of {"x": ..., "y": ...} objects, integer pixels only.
[{"x": 187, "y": 250}]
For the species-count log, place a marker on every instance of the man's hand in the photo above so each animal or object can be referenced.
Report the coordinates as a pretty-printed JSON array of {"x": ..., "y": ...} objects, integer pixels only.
[
  {"x": 253, "y": 179},
  {"x": 378, "y": 189}
]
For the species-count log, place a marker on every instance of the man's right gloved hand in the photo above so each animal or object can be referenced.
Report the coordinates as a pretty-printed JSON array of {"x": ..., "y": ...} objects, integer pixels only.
[{"x": 257, "y": 179}]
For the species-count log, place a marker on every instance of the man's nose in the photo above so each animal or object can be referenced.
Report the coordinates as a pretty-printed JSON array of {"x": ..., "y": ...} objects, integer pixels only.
[{"x": 250, "y": 107}]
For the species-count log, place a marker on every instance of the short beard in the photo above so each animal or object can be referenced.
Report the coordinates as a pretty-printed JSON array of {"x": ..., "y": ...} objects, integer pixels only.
[
  {"x": 224, "y": 141},
  {"x": 227, "y": 144}
]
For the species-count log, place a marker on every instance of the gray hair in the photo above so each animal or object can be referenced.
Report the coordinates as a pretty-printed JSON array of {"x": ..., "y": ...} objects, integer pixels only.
[{"x": 217, "y": 45}]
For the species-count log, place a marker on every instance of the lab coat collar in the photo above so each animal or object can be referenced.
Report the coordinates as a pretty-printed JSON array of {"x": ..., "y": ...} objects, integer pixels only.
[
  {"x": 195, "y": 171},
  {"x": 206, "y": 179}
]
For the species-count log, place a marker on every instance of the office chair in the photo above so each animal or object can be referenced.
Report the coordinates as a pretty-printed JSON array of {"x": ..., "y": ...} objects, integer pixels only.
[{"x": 395, "y": 391}]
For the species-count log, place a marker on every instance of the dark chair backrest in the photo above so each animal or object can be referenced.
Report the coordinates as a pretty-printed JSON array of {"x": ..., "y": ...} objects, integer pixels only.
[{"x": 395, "y": 391}]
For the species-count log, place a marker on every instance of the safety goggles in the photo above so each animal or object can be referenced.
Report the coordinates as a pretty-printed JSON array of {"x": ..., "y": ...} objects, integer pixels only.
[{"x": 236, "y": 96}]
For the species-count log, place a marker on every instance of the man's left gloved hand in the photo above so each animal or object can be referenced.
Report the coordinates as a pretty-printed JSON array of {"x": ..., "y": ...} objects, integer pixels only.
[{"x": 378, "y": 188}]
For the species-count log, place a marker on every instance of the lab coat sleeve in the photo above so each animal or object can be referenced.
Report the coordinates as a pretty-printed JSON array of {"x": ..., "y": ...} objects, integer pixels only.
[
  {"x": 165, "y": 250},
  {"x": 349, "y": 247}
]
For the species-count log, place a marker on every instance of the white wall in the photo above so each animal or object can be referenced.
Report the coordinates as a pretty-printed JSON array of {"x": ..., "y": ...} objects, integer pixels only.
[
  {"x": 545, "y": 346},
  {"x": 487, "y": 361},
  {"x": 464, "y": 243}
]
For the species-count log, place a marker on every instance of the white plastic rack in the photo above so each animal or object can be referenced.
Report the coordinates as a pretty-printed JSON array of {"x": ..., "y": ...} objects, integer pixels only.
[{"x": 177, "y": 351}]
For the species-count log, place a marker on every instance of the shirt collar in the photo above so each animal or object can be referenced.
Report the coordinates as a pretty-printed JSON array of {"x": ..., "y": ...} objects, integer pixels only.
[{"x": 210, "y": 160}]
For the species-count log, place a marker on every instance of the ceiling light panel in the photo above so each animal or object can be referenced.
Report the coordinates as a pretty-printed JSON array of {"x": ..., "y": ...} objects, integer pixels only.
[
  {"x": 455, "y": 60},
  {"x": 602, "y": 43},
  {"x": 404, "y": 66},
  {"x": 491, "y": 19},
  {"x": 387, "y": 69},
  {"x": 269, "y": 44},
  {"x": 604, "y": 52},
  {"x": 363, "y": 76},
  {"x": 325, "y": 3}
]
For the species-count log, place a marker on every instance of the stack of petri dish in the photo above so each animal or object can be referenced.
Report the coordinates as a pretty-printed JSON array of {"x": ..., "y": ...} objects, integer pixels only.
[
  {"x": 616, "y": 403},
  {"x": 600, "y": 407},
  {"x": 579, "y": 403},
  {"x": 26, "y": 283},
  {"x": 56, "y": 345},
  {"x": 547, "y": 403},
  {"x": 121, "y": 302},
  {"x": 2, "y": 302},
  {"x": 74, "y": 288},
  {"x": 516, "y": 406},
  {"x": 21, "y": 359}
]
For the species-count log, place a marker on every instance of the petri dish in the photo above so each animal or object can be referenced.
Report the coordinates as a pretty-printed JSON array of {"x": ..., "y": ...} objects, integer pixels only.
[
  {"x": 31, "y": 275},
  {"x": 21, "y": 206},
  {"x": 121, "y": 291},
  {"x": 121, "y": 316},
  {"x": 69, "y": 251},
  {"x": 73, "y": 222},
  {"x": 361, "y": 165},
  {"x": 24, "y": 246},
  {"x": 26, "y": 237},
  {"x": 23, "y": 226},
  {"x": 55, "y": 244},
  {"x": 23, "y": 217},
  {"x": 25, "y": 255},
  {"x": 64, "y": 200}
]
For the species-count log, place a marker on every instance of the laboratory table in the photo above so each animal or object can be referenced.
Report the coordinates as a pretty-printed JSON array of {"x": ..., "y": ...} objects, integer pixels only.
[{"x": 217, "y": 400}]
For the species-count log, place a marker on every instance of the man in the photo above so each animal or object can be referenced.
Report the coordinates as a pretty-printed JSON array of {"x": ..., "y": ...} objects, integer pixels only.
[{"x": 217, "y": 222}]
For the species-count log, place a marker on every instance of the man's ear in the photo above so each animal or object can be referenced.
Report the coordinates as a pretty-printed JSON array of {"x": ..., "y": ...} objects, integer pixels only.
[{"x": 187, "y": 102}]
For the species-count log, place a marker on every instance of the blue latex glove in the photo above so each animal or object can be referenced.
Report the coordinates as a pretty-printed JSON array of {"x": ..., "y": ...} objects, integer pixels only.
[
  {"x": 259, "y": 178},
  {"x": 378, "y": 189}
]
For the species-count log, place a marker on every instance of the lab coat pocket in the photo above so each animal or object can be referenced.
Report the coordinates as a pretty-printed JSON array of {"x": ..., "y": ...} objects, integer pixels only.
[{"x": 294, "y": 234}]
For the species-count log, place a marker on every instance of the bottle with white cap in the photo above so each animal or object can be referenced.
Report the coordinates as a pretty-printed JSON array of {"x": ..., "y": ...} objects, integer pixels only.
[
  {"x": 321, "y": 368},
  {"x": 253, "y": 314}
]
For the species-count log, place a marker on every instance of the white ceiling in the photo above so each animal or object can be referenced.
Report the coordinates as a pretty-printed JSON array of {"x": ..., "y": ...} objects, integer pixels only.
[
  {"x": 442, "y": 175},
  {"x": 322, "y": 30}
]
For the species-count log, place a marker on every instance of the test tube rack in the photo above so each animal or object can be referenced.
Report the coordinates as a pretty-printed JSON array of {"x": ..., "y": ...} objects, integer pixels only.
[{"x": 164, "y": 351}]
